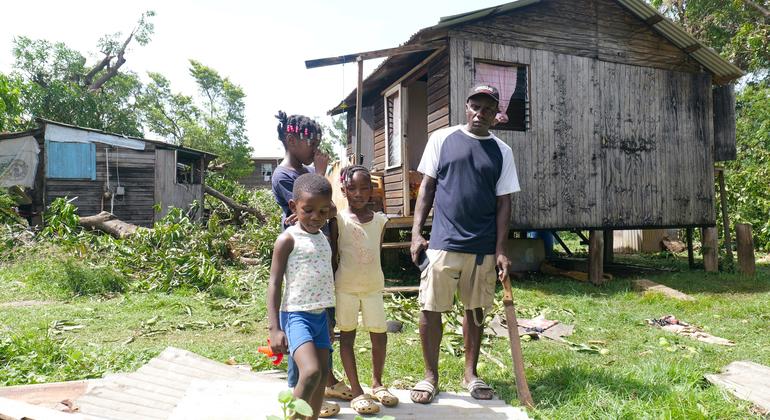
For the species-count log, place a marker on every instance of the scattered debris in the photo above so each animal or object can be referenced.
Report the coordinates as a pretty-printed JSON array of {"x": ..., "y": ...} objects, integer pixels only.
[
  {"x": 531, "y": 328},
  {"x": 644, "y": 285},
  {"x": 671, "y": 324},
  {"x": 746, "y": 380},
  {"x": 674, "y": 246}
]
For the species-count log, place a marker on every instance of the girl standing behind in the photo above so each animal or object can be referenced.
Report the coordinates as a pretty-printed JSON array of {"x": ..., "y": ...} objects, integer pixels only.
[{"x": 357, "y": 234}]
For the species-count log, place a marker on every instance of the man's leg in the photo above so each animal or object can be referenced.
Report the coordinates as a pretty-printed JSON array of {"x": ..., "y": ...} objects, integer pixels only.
[
  {"x": 472, "y": 334},
  {"x": 431, "y": 332}
]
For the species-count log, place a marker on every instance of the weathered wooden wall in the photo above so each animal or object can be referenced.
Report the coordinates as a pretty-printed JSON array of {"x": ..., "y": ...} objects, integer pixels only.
[
  {"x": 135, "y": 169},
  {"x": 600, "y": 29},
  {"x": 168, "y": 193},
  {"x": 610, "y": 144},
  {"x": 725, "y": 147}
]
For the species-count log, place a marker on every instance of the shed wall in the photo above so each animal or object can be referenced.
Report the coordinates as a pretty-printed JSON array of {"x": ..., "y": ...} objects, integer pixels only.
[{"x": 135, "y": 171}]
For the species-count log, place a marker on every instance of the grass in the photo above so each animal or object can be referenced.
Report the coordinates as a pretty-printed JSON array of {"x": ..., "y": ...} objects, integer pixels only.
[{"x": 80, "y": 332}]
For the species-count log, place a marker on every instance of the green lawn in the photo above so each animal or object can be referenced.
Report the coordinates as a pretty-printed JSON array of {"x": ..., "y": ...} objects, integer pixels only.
[{"x": 636, "y": 377}]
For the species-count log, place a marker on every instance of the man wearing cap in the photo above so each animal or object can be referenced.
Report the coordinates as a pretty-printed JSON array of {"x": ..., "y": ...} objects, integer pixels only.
[{"x": 470, "y": 174}]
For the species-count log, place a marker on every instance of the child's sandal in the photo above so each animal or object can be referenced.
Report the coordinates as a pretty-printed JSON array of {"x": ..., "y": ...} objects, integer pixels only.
[
  {"x": 329, "y": 409},
  {"x": 385, "y": 397},
  {"x": 364, "y": 404},
  {"x": 339, "y": 390}
]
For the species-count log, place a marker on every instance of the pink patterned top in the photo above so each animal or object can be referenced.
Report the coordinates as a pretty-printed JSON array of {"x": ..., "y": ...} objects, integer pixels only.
[{"x": 308, "y": 281}]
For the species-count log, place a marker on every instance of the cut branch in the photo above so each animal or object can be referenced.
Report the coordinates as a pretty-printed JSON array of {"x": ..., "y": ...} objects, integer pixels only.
[
  {"x": 239, "y": 209},
  {"x": 107, "y": 222},
  {"x": 89, "y": 77}
]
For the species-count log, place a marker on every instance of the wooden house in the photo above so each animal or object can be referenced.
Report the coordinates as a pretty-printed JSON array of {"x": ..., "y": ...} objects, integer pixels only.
[
  {"x": 262, "y": 172},
  {"x": 616, "y": 115},
  {"x": 101, "y": 171}
]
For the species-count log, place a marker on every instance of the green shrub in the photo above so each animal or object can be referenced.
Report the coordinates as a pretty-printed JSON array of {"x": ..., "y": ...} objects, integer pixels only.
[{"x": 80, "y": 279}]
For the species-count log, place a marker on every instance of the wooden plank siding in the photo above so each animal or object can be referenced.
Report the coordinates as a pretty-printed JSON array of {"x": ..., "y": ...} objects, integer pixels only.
[
  {"x": 135, "y": 170},
  {"x": 169, "y": 193},
  {"x": 725, "y": 147},
  {"x": 600, "y": 29},
  {"x": 609, "y": 144}
]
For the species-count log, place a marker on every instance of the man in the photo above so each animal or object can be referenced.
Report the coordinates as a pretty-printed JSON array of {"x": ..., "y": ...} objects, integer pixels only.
[{"x": 471, "y": 174}]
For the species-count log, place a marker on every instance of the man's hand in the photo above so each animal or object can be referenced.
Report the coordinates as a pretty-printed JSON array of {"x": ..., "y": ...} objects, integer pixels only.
[
  {"x": 320, "y": 162},
  {"x": 419, "y": 244},
  {"x": 503, "y": 266},
  {"x": 278, "y": 342}
]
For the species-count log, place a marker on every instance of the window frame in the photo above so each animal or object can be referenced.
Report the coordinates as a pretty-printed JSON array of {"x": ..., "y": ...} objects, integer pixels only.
[
  {"x": 527, "y": 123},
  {"x": 395, "y": 90}
]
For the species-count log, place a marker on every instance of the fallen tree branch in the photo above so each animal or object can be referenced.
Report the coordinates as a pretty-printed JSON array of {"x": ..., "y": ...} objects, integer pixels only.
[
  {"x": 238, "y": 208},
  {"x": 107, "y": 222}
]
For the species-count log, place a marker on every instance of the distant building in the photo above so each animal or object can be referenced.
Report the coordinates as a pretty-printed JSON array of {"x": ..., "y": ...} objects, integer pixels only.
[{"x": 262, "y": 174}]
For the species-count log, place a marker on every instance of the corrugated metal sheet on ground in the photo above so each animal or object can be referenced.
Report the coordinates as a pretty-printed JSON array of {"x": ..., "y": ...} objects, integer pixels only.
[{"x": 155, "y": 389}]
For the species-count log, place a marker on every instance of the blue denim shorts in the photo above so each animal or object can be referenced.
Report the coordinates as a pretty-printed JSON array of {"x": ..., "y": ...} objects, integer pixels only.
[{"x": 303, "y": 327}]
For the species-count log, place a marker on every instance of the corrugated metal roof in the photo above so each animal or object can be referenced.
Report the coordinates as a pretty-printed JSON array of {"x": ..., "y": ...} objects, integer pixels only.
[{"x": 723, "y": 70}]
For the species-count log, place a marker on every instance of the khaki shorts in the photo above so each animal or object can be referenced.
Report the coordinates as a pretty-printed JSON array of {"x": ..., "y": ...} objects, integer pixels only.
[
  {"x": 450, "y": 272},
  {"x": 371, "y": 307}
]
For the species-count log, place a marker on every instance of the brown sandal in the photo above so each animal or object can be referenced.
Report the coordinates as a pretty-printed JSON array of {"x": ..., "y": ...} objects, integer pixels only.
[
  {"x": 364, "y": 404},
  {"x": 385, "y": 397},
  {"x": 339, "y": 390},
  {"x": 329, "y": 409}
]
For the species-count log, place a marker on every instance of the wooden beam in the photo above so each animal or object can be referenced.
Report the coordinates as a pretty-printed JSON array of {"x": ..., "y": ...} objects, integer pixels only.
[
  {"x": 563, "y": 245},
  {"x": 388, "y": 52},
  {"x": 414, "y": 69},
  {"x": 359, "y": 99},
  {"x": 709, "y": 246},
  {"x": 690, "y": 253},
  {"x": 725, "y": 219},
  {"x": 596, "y": 257},
  {"x": 609, "y": 242}
]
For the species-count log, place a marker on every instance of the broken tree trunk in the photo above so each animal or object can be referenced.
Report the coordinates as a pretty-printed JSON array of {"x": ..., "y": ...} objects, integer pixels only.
[
  {"x": 746, "y": 262},
  {"x": 238, "y": 208},
  {"x": 107, "y": 222}
]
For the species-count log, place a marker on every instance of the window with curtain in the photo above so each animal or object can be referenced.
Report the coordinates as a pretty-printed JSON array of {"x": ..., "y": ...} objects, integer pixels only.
[{"x": 511, "y": 81}]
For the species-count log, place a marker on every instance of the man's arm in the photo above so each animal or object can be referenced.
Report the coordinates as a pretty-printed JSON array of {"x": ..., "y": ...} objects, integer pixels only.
[
  {"x": 425, "y": 197},
  {"x": 283, "y": 247},
  {"x": 503, "y": 216}
]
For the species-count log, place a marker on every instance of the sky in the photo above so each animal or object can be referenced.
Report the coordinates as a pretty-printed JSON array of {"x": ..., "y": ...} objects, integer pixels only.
[{"x": 261, "y": 46}]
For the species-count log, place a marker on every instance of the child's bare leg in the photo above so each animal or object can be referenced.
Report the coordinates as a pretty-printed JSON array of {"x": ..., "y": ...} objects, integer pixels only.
[
  {"x": 348, "y": 356},
  {"x": 318, "y": 395},
  {"x": 379, "y": 345},
  {"x": 311, "y": 374},
  {"x": 331, "y": 322}
]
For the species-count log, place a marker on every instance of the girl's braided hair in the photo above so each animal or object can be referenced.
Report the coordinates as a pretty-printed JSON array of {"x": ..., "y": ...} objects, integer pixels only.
[
  {"x": 346, "y": 175},
  {"x": 299, "y": 125}
]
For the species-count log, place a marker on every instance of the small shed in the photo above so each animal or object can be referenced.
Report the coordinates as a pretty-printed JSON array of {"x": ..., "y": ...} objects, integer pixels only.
[
  {"x": 616, "y": 115},
  {"x": 101, "y": 171},
  {"x": 262, "y": 172}
]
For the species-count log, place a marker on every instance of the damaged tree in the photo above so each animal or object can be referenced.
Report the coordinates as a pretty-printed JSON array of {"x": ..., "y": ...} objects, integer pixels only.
[
  {"x": 107, "y": 222},
  {"x": 238, "y": 209}
]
